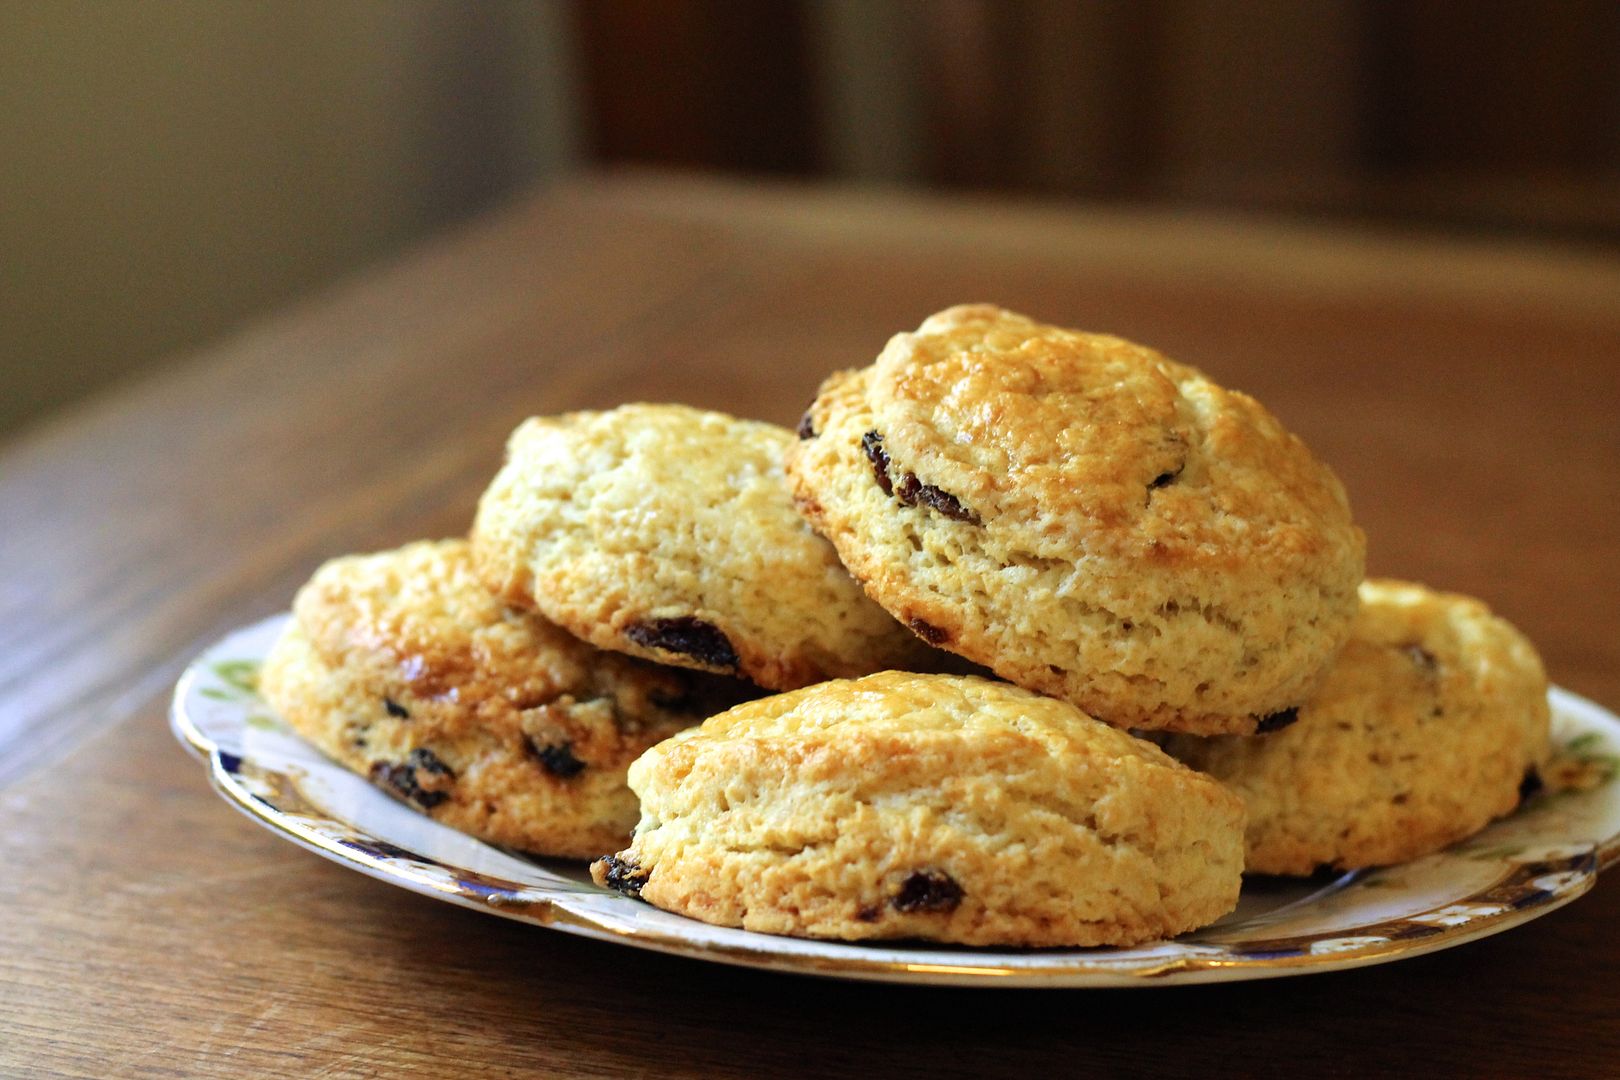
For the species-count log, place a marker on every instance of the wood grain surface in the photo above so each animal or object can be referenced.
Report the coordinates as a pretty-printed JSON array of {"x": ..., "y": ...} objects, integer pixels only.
[{"x": 1465, "y": 391}]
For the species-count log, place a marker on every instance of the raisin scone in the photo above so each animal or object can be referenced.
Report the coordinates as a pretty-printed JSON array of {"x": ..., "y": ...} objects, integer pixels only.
[
  {"x": 936, "y": 807},
  {"x": 402, "y": 667},
  {"x": 667, "y": 532},
  {"x": 1087, "y": 518},
  {"x": 1429, "y": 725}
]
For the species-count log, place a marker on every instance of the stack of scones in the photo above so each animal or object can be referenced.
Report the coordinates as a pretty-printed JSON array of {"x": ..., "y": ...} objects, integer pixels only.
[{"x": 1027, "y": 637}]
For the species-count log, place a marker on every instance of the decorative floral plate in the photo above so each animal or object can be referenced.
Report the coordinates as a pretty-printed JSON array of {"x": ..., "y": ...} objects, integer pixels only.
[{"x": 1545, "y": 855}]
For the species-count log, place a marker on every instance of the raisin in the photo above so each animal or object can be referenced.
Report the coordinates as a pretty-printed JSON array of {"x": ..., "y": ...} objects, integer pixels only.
[
  {"x": 395, "y": 709},
  {"x": 557, "y": 759},
  {"x": 688, "y": 636},
  {"x": 807, "y": 426},
  {"x": 872, "y": 443},
  {"x": 869, "y": 913},
  {"x": 930, "y": 633},
  {"x": 948, "y": 504},
  {"x": 427, "y": 761},
  {"x": 403, "y": 780},
  {"x": 928, "y": 890},
  {"x": 1165, "y": 479},
  {"x": 1276, "y": 721},
  {"x": 427, "y": 800},
  {"x": 623, "y": 875},
  {"x": 1531, "y": 785},
  {"x": 912, "y": 491}
]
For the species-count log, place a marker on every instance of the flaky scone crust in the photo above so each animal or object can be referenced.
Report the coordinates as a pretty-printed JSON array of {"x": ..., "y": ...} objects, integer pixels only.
[
  {"x": 619, "y": 525},
  {"x": 945, "y": 808},
  {"x": 1421, "y": 733},
  {"x": 1087, "y": 518},
  {"x": 405, "y": 669}
]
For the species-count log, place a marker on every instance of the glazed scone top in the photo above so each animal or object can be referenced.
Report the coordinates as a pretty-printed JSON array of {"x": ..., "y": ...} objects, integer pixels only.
[
  {"x": 419, "y": 618},
  {"x": 905, "y": 731},
  {"x": 1466, "y": 643},
  {"x": 648, "y": 528},
  {"x": 1086, "y": 518},
  {"x": 949, "y": 808},
  {"x": 898, "y": 703},
  {"x": 403, "y": 667},
  {"x": 1090, "y": 443}
]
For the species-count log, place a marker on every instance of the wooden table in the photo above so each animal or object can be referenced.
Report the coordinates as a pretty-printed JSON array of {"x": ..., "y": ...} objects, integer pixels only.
[{"x": 1466, "y": 392}]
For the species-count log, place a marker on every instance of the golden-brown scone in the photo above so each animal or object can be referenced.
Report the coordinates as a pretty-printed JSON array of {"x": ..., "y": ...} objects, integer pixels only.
[
  {"x": 945, "y": 808},
  {"x": 668, "y": 533},
  {"x": 402, "y": 667},
  {"x": 1087, "y": 518},
  {"x": 1422, "y": 732}
]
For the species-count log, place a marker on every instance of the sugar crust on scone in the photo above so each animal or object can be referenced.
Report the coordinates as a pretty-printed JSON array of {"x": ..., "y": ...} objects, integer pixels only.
[
  {"x": 945, "y": 808},
  {"x": 402, "y": 667},
  {"x": 1087, "y": 518}
]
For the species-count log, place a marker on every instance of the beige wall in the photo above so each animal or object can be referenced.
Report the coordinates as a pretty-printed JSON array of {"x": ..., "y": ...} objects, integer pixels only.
[{"x": 169, "y": 167}]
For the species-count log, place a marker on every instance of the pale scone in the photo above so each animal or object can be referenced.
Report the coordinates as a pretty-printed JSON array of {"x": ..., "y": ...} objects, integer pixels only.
[
  {"x": 403, "y": 667},
  {"x": 1087, "y": 518},
  {"x": 668, "y": 532},
  {"x": 1422, "y": 732},
  {"x": 944, "y": 808}
]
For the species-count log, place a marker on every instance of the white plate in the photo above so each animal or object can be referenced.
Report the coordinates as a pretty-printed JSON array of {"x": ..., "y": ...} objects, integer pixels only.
[{"x": 1545, "y": 855}]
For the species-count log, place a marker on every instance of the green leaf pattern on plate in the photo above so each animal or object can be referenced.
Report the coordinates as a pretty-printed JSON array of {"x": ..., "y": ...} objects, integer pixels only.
[{"x": 239, "y": 681}]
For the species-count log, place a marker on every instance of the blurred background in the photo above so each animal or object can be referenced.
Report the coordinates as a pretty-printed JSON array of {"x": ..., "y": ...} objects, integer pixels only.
[{"x": 171, "y": 167}]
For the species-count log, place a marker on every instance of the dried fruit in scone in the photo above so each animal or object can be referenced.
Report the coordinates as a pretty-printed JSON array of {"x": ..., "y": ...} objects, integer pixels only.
[
  {"x": 1426, "y": 727},
  {"x": 944, "y": 808},
  {"x": 668, "y": 532},
  {"x": 1087, "y": 518},
  {"x": 405, "y": 669}
]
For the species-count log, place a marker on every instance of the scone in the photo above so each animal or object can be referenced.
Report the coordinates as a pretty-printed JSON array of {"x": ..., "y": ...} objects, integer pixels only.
[
  {"x": 1423, "y": 731},
  {"x": 667, "y": 532},
  {"x": 1087, "y": 518},
  {"x": 402, "y": 667},
  {"x": 936, "y": 807}
]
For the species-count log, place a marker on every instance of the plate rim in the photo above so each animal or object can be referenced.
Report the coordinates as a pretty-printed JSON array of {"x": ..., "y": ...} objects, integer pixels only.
[{"x": 552, "y": 912}]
